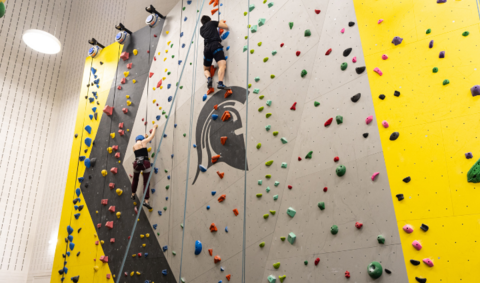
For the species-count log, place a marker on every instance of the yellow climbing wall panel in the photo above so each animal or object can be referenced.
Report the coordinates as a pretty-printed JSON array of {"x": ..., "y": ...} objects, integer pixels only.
[
  {"x": 83, "y": 265},
  {"x": 437, "y": 123}
]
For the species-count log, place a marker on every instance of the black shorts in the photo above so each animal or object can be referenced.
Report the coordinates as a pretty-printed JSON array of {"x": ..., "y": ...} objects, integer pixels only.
[{"x": 212, "y": 51}]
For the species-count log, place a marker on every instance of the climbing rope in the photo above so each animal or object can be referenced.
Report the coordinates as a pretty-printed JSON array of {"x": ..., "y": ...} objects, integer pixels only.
[{"x": 156, "y": 155}]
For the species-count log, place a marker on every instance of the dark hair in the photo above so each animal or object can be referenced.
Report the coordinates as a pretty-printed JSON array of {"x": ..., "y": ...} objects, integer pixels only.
[{"x": 205, "y": 19}]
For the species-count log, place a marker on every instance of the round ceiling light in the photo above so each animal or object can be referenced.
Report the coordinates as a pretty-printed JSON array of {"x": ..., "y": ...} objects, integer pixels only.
[{"x": 42, "y": 41}]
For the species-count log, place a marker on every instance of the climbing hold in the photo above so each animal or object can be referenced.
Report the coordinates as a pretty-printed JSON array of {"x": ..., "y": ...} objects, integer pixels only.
[
  {"x": 268, "y": 163},
  {"x": 408, "y": 228},
  {"x": 254, "y": 28},
  {"x": 375, "y": 269},
  {"x": 271, "y": 279},
  {"x": 274, "y": 52},
  {"x": 268, "y": 115},
  {"x": 359, "y": 225},
  {"x": 261, "y": 22},
  {"x": 259, "y": 195},
  {"x": 446, "y": 82},
  {"x": 354, "y": 59},
  {"x": 356, "y": 97},
  {"x": 424, "y": 228},
  {"x": 290, "y": 24},
  {"x": 394, "y": 136},
  {"x": 339, "y": 119},
  {"x": 388, "y": 271},
  {"x": 270, "y": 5},
  {"x": 385, "y": 124},
  {"x": 428, "y": 31},
  {"x": 261, "y": 109},
  {"x": 380, "y": 21},
  {"x": 265, "y": 59},
  {"x": 261, "y": 245},
  {"x": 341, "y": 170},
  {"x": 428, "y": 262},
  {"x": 293, "y": 106},
  {"x": 308, "y": 33},
  {"x": 417, "y": 245},
  {"x": 328, "y": 122},
  {"x": 321, "y": 205},
  {"x": 124, "y": 56},
  {"x": 415, "y": 262},
  {"x": 343, "y": 30},
  {"x": 222, "y": 198},
  {"x": 400, "y": 197},
  {"x": 375, "y": 176},
  {"x": 360, "y": 70},
  {"x": 344, "y": 66},
  {"x": 441, "y": 55},
  {"x": 316, "y": 103},
  {"x": 265, "y": 216},
  {"x": 272, "y": 76},
  {"x": 381, "y": 239},
  {"x": 397, "y": 40},
  {"x": 283, "y": 140},
  {"x": 347, "y": 52},
  {"x": 259, "y": 145},
  {"x": 291, "y": 212},
  {"x": 104, "y": 173},
  {"x": 303, "y": 73},
  {"x": 334, "y": 229},
  {"x": 328, "y": 52},
  {"x": 291, "y": 238},
  {"x": 384, "y": 57}
]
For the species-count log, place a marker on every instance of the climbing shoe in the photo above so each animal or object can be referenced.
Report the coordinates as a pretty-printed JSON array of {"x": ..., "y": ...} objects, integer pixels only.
[
  {"x": 210, "y": 83},
  {"x": 221, "y": 86},
  {"x": 132, "y": 197},
  {"x": 147, "y": 205}
]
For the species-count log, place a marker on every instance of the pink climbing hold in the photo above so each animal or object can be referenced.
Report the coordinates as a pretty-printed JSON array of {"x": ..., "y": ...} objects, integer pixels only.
[
  {"x": 119, "y": 87},
  {"x": 123, "y": 81},
  {"x": 109, "y": 224},
  {"x": 104, "y": 201},
  {"x": 114, "y": 170},
  {"x": 417, "y": 245},
  {"x": 317, "y": 260},
  {"x": 408, "y": 228},
  {"x": 121, "y": 132},
  {"x": 104, "y": 259},
  {"x": 129, "y": 65},
  {"x": 428, "y": 262},
  {"x": 125, "y": 110},
  {"x": 115, "y": 147},
  {"x": 378, "y": 71},
  {"x": 293, "y": 106},
  {"x": 120, "y": 125},
  {"x": 108, "y": 275},
  {"x": 159, "y": 84},
  {"x": 343, "y": 30},
  {"x": 385, "y": 124},
  {"x": 112, "y": 240},
  {"x": 384, "y": 57},
  {"x": 375, "y": 175},
  {"x": 117, "y": 155},
  {"x": 380, "y": 21},
  {"x": 108, "y": 110},
  {"x": 125, "y": 55},
  {"x": 150, "y": 75},
  {"x": 369, "y": 119},
  {"x": 354, "y": 59},
  {"x": 111, "y": 186},
  {"x": 111, "y": 208}
]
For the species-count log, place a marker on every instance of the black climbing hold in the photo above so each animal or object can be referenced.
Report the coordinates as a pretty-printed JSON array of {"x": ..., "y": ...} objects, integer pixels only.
[
  {"x": 421, "y": 280},
  {"x": 66, "y": 240},
  {"x": 396, "y": 93},
  {"x": 86, "y": 185},
  {"x": 360, "y": 70},
  {"x": 381, "y": 96},
  {"x": 89, "y": 177},
  {"x": 95, "y": 115},
  {"x": 78, "y": 253},
  {"x": 407, "y": 179},
  {"x": 356, "y": 97},
  {"x": 64, "y": 256},
  {"x": 414, "y": 262},
  {"x": 400, "y": 197},
  {"x": 93, "y": 161},
  {"x": 394, "y": 136},
  {"x": 79, "y": 229},
  {"x": 365, "y": 135},
  {"x": 76, "y": 135},
  {"x": 91, "y": 84},
  {"x": 93, "y": 143},
  {"x": 347, "y": 52},
  {"x": 75, "y": 201},
  {"x": 351, "y": 24},
  {"x": 101, "y": 63},
  {"x": 88, "y": 85},
  {"x": 86, "y": 96},
  {"x": 98, "y": 103},
  {"x": 75, "y": 279},
  {"x": 388, "y": 271},
  {"x": 424, "y": 228},
  {"x": 80, "y": 207},
  {"x": 85, "y": 150},
  {"x": 60, "y": 271}
]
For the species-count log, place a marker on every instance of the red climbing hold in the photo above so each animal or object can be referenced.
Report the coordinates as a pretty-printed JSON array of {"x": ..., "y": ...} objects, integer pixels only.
[
  {"x": 136, "y": 209},
  {"x": 111, "y": 186},
  {"x": 317, "y": 11},
  {"x": 210, "y": 251},
  {"x": 235, "y": 211},
  {"x": 358, "y": 225},
  {"x": 212, "y": 70},
  {"x": 120, "y": 125},
  {"x": 281, "y": 44},
  {"x": 123, "y": 81},
  {"x": 143, "y": 119},
  {"x": 220, "y": 174},
  {"x": 347, "y": 274},
  {"x": 109, "y": 224},
  {"x": 298, "y": 53},
  {"x": 215, "y": 158},
  {"x": 228, "y": 277},
  {"x": 290, "y": 187},
  {"x": 210, "y": 91},
  {"x": 112, "y": 240},
  {"x": 115, "y": 147},
  {"x": 119, "y": 87},
  {"x": 213, "y": 228},
  {"x": 125, "y": 55},
  {"x": 117, "y": 155},
  {"x": 139, "y": 254},
  {"x": 150, "y": 75},
  {"x": 328, "y": 52},
  {"x": 104, "y": 259},
  {"x": 294, "y": 106},
  {"x": 114, "y": 170},
  {"x": 217, "y": 258},
  {"x": 111, "y": 208},
  {"x": 214, "y": 11},
  {"x": 154, "y": 35},
  {"x": 215, "y": 106},
  {"x": 228, "y": 93},
  {"x": 104, "y": 201},
  {"x": 329, "y": 121},
  {"x": 99, "y": 225},
  {"x": 325, "y": 189},
  {"x": 336, "y": 159},
  {"x": 299, "y": 158},
  {"x": 121, "y": 132},
  {"x": 154, "y": 58},
  {"x": 159, "y": 84},
  {"x": 129, "y": 65},
  {"x": 108, "y": 110},
  {"x": 317, "y": 260},
  {"x": 125, "y": 110},
  {"x": 226, "y": 115},
  {"x": 222, "y": 198},
  {"x": 223, "y": 140}
]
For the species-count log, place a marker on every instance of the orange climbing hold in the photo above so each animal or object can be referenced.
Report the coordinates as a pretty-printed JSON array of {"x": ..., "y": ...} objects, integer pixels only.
[
  {"x": 214, "y": 11},
  {"x": 221, "y": 31},
  {"x": 215, "y": 4},
  {"x": 222, "y": 198},
  {"x": 235, "y": 211},
  {"x": 223, "y": 140},
  {"x": 228, "y": 93},
  {"x": 210, "y": 90},
  {"x": 215, "y": 158},
  {"x": 217, "y": 258},
  {"x": 228, "y": 277},
  {"x": 212, "y": 70},
  {"x": 211, "y": 2},
  {"x": 226, "y": 115},
  {"x": 220, "y": 174},
  {"x": 213, "y": 228},
  {"x": 215, "y": 107},
  {"x": 210, "y": 251}
]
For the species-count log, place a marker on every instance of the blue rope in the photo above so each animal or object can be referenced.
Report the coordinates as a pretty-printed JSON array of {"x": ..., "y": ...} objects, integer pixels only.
[
  {"x": 156, "y": 156},
  {"x": 192, "y": 108}
]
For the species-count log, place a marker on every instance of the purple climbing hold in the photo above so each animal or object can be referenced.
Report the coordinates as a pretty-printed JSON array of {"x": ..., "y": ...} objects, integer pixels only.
[
  {"x": 397, "y": 40},
  {"x": 468, "y": 155},
  {"x": 475, "y": 90},
  {"x": 441, "y": 1},
  {"x": 430, "y": 45},
  {"x": 442, "y": 54}
]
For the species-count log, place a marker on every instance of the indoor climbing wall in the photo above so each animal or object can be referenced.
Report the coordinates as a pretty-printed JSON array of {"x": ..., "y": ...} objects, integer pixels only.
[{"x": 426, "y": 92}]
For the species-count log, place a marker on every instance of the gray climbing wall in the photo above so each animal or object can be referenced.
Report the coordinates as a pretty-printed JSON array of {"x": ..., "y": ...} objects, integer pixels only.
[{"x": 349, "y": 199}]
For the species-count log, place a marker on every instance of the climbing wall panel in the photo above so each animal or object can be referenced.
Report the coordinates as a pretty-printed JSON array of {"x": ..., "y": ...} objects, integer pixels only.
[{"x": 435, "y": 122}]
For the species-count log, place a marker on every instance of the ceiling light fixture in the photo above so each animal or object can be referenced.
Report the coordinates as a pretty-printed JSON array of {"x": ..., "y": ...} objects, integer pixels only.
[{"x": 42, "y": 41}]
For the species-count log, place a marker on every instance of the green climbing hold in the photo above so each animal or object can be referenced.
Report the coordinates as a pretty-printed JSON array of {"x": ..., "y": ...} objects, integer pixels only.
[
  {"x": 291, "y": 238},
  {"x": 465, "y": 33},
  {"x": 339, "y": 119},
  {"x": 274, "y": 52},
  {"x": 268, "y": 115},
  {"x": 259, "y": 44},
  {"x": 473, "y": 175},
  {"x": 165, "y": 208},
  {"x": 261, "y": 22},
  {"x": 284, "y": 165},
  {"x": 262, "y": 244},
  {"x": 268, "y": 127},
  {"x": 305, "y": 262},
  {"x": 375, "y": 269},
  {"x": 246, "y": 37},
  {"x": 166, "y": 171},
  {"x": 269, "y": 103},
  {"x": 271, "y": 279},
  {"x": 275, "y": 197},
  {"x": 303, "y": 73},
  {"x": 265, "y": 216},
  {"x": 259, "y": 145},
  {"x": 446, "y": 82},
  {"x": 181, "y": 87},
  {"x": 245, "y": 48},
  {"x": 174, "y": 253},
  {"x": 308, "y": 32},
  {"x": 254, "y": 29},
  {"x": 245, "y": 13},
  {"x": 276, "y": 265},
  {"x": 341, "y": 170},
  {"x": 264, "y": 1},
  {"x": 334, "y": 230},
  {"x": 268, "y": 176},
  {"x": 256, "y": 90},
  {"x": 184, "y": 8},
  {"x": 252, "y": 51},
  {"x": 169, "y": 73},
  {"x": 167, "y": 187},
  {"x": 276, "y": 183},
  {"x": 309, "y": 155},
  {"x": 251, "y": 7},
  {"x": 267, "y": 189},
  {"x": 153, "y": 155},
  {"x": 272, "y": 212},
  {"x": 259, "y": 195},
  {"x": 381, "y": 239},
  {"x": 435, "y": 70},
  {"x": 260, "y": 109},
  {"x": 257, "y": 79},
  {"x": 284, "y": 140},
  {"x": 316, "y": 103},
  {"x": 282, "y": 239},
  {"x": 261, "y": 96},
  {"x": 344, "y": 66},
  {"x": 260, "y": 182},
  {"x": 275, "y": 133},
  {"x": 268, "y": 163},
  {"x": 272, "y": 76},
  {"x": 184, "y": 135},
  {"x": 250, "y": 85},
  {"x": 291, "y": 212},
  {"x": 321, "y": 205},
  {"x": 290, "y": 24},
  {"x": 265, "y": 59},
  {"x": 428, "y": 31},
  {"x": 270, "y": 5}
]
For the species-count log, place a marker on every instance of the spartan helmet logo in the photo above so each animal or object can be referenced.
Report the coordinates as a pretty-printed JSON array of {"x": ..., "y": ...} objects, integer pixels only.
[{"x": 209, "y": 131}]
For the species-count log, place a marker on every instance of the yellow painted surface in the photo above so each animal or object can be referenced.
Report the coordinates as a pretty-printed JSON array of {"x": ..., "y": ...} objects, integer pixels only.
[
  {"x": 437, "y": 124},
  {"x": 85, "y": 240}
]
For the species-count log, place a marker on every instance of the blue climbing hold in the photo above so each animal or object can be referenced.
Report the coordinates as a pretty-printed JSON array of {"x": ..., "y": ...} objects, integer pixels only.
[
  {"x": 77, "y": 215},
  {"x": 169, "y": 86},
  {"x": 226, "y": 229},
  {"x": 69, "y": 229},
  {"x": 88, "y": 129},
  {"x": 158, "y": 117},
  {"x": 165, "y": 248},
  {"x": 189, "y": 2},
  {"x": 170, "y": 98},
  {"x": 179, "y": 62},
  {"x": 208, "y": 207},
  {"x": 94, "y": 93},
  {"x": 81, "y": 179},
  {"x": 94, "y": 109},
  {"x": 91, "y": 99},
  {"x": 146, "y": 254},
  {"x": 166, "y": 198},
  {"x": 172, "y": 155},
  {"x": 185, "y": 19},
  {"x": 87, "y": 162},
  {"x": 65, "y": 270},
  {"x": 220, "y": 281},
  {"x": 226, "y": 57},
  {"x": 194, "y": 146},
  {"x": 90, "y": 116},
  {"x": 181, "y": 34},
  {"x": 160, "y": 213},
  {"x": 94, "y": 71},
  {"x": 222, "y": 269},
  {"x": 155, "y": 226},
  {"x": 202, "y": 168},
  {"x": 228, "y": 48},
  {"x": 225, "y": 35},
  {"x": 214, "y": 116},
  {"x": 183, "y": 45},
  {"x": 153, "y": 190},
  {"x": 76, "y": 207},
  {"x": 88, "y": 141},
  {"x": 81, "y": 158},
  {"x": 198, "y": 247},
  {"x": 70, "y": 238},
  {"x": 168, "y": 177},
  {"x": 96, "y": 81},
  {"x": 155, "y": 169},
  {"x": 204, "y": 97},
  {"x": 164, "y": 272},
  {"x": 214, "y": 192},
  {"x": 164, "y": 135},
  {"x": 71, "y": 246},
  {"x": 174, "y": 125},
  {"x": 221, "y": 5},
  {"x": 77, "y": 191}
]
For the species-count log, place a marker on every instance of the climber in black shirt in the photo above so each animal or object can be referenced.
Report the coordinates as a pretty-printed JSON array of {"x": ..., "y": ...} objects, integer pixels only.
[{"x": 213, "y": 50}]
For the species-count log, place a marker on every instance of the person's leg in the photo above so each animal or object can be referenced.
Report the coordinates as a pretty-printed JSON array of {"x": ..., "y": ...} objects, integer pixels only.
[
  {"x": 206, "y": 71},
  {"x": 136, "y": 175},
  {"x": 146, "y": 174},
  {"x": 222, "y": 65}
]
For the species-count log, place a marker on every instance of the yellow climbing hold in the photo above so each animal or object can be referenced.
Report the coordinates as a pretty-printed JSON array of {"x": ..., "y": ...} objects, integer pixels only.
[
  {"x": 166, "y": 70},
  {"x": 133, "y": 272},
  {"x": 142, "y": 236},
  {"x": 119, "y": 192},
  {"x": 112, "y": 135},
  {"x": 147, "y": 235},
  {"x": 96, "y": 268},
  {"x": 102, "y": 242},
  {"x": 126, "y": 74},
  {"x": 138, "y": 273},
  {"x": 143, "y": 245},
  {"x": 129, "y": 102},
  {"x": 165, "y": 59},
  {"x": 134, "y": 81},
  {"x": 119, "y": 213},
  {"x": 109, "y": 149},
  {"x": 127, "y": 96},
  {"x": 158, "y": 53},
  {"x": 161, "y": 87},
  {"x": 154, "y": 100},
  {"x": 135, "y": 52},
  {"x": 168, "y": 43},
  {"x": 166, "y": 51},
  {"x": 149, "y": 149},
  {"x": 153, "y": 88},
  {"x": 164, "y": 78}
]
